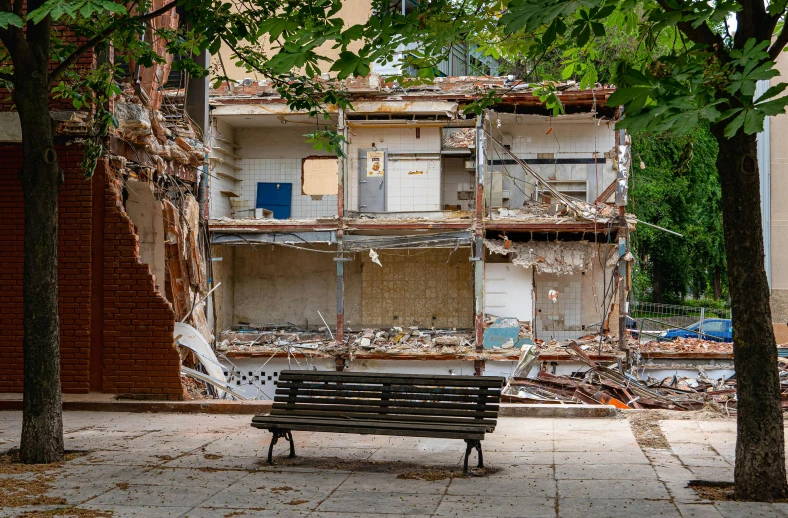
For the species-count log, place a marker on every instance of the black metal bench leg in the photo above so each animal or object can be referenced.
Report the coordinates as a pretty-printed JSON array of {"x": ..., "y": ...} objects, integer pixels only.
[
  {"x": 292, "y": 444},
  {"x": 274, "y": 438},
  {"x": 472, "y": 444},
  {"x": 285, "y": 434},
  {"x": 479, "y": 450},
  {"x": 468, "y": 450}
]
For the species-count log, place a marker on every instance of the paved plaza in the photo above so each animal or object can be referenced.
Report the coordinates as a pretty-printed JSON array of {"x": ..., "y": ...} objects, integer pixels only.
[{"x": 198, "y": 465}]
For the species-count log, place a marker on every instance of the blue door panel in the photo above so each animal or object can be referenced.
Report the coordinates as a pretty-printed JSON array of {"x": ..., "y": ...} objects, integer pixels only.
[{"x": 275, "y": 196}]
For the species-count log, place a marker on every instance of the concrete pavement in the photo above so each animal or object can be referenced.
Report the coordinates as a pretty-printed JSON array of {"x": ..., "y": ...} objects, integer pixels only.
[{"x": 201, "y": 465}]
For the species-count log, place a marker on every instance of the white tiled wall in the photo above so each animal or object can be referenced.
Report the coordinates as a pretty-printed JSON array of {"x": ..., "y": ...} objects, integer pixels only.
[
  {"x": 395, "y": 140},
  {"x": 457, "y": 178},
  {"x": 568, "y": 139},
  {"x": 220, "y": 203},
  {"x": 286, "y": 170},
  {"x": 578, "y": 139},
  {"x": 406, "y": 192},
  {"x": 561, "y": 319}
]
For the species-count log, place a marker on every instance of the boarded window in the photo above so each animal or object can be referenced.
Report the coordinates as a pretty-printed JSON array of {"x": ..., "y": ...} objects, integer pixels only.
[{"x": 319, "y": 175}]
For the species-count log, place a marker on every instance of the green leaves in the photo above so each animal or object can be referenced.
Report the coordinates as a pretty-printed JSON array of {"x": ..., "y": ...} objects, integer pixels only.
[
  {"x": 327, "y": 140},
  {"x": 350, "y": 64},
  {"x": 63, "y": 10},
  {"x": 9, "y": 19}
]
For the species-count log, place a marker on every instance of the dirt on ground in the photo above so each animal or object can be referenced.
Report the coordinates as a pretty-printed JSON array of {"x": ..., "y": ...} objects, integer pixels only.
[
  {"x": 409, "y": 470},
  {"x": 645, "y": 423}
]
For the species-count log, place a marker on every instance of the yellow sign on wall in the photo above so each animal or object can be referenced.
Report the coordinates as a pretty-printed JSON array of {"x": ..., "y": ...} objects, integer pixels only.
[{"x": 376, "y": 164}]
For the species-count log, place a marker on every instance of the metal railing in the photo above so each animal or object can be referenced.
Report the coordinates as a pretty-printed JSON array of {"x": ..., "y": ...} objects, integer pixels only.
[{"x": 653, "y": 318}]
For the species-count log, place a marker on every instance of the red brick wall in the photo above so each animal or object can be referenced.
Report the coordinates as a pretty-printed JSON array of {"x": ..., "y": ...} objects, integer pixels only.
[
  {"x": 74, "y": 274},
  {"x": 85, "y": 62},
  {"x": 139, "y": 355}
]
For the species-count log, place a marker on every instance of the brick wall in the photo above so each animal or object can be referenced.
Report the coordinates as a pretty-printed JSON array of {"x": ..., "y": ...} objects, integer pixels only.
[
  {"x": 137, "y": 354},
  {"x": 74, "y": 274}
]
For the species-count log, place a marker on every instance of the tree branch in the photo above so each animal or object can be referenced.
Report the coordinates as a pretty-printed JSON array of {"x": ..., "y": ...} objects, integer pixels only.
[
  {"x": 779, "y": 43},
  {"x": 702, "y": 34},
  {"x": 95, "y": 40}
]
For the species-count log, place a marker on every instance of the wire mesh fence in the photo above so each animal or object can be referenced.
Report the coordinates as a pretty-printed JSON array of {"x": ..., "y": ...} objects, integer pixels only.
[{"x": 651, "y": 319}]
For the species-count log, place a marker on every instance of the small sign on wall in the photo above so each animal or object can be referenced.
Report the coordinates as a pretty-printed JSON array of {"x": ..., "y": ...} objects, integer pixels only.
[
  {"x": 376, "y": 164},
  {"x": 319, "y": 175}
]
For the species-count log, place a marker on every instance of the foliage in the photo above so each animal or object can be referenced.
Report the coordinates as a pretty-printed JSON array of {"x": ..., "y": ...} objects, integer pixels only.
[{"x": 679, "y": 190}]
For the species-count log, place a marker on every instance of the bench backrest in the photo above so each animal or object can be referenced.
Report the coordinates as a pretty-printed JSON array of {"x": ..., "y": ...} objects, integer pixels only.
[{"x": 395, "y": 397}]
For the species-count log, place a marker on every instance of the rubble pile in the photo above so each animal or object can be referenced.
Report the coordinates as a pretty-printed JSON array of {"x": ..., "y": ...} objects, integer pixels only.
[
  {"x": 145, "y": 127},
  {"x": 611, "y": 385},
  {"x": 460, "y": 138},
  {"x": 393, "y": 341},
  {"x": 686, "y": 345}
]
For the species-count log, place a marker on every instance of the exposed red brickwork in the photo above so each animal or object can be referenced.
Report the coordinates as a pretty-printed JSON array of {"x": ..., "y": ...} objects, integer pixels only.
[
  {"x": 139, "y": 355},
  {"x": 73, "y": 275},
  {"x": 85, "y": 62}
]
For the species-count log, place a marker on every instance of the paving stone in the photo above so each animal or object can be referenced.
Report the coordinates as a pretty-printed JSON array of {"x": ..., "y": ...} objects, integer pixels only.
[
  {"x": 704, "y": 510},
  {"x": 155, "y": 496},
  {"x": 78, "y": 494},
  {"x": 600, "y": 457},
  {"x": 606, "y": 489},
  {"x": 187, "y": 477},
  {"x": 319, "y": 514},
  {"x": 199, "y": 461},
  {"x": 535, "y": 487},
  {"x": 385, "y": 482},
  {"x": 692, "y": 461},
  {"x": 497, "y": 506},
  {"x": 605, "y": 472},
  {"x": 615, "y": 508},
  {"x": 141, "y": 511},
  {"x": 214, "y": 512},
  {"x": 748, "y": 510},
  {"x": 380, "y": 503},
  {"x": 517, "y": 471},
  {"x": 295, "y": 500}
]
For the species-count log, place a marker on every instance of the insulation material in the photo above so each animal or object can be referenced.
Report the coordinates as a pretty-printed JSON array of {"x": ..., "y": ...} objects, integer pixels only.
[
  {"x": 320, "y": 176},
  {"x": 548, "y": 257},
  {"x": 185, "y": 264}
]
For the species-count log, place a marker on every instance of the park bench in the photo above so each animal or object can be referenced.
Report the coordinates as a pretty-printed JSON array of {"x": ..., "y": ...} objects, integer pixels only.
[{"x": 414, "y": 405}]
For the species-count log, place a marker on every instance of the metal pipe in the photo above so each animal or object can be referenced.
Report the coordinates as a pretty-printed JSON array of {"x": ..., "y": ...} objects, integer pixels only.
[{"x": 481, "y": 164}]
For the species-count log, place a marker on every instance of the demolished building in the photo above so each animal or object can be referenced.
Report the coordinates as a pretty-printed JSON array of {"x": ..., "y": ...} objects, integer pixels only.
[
  {"x": 131, "y": 250},
  {"x": 436, "y": 240}
]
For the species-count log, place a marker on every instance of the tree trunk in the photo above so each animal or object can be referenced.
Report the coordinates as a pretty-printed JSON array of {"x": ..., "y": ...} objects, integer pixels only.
[
  {"x": 717, "y": 284},
  {"x": 760, "y": 447},
  {"x": 657, "y": 280},
  {"x": 42, "y": 422}
]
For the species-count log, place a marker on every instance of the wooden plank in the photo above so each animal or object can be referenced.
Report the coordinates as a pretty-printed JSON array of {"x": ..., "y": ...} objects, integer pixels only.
[
  {"x": 411, "y": 411},
  {"x": 378, "y": 404},
  {"x": 368, "y": 423},
  {"x": 378, "y": 431},
  {"x": 400, "y": 389},
  {"x": 412, "y": 379},
  {"x": 392, "y": 396},
  {"x": 490, "y": 423}
]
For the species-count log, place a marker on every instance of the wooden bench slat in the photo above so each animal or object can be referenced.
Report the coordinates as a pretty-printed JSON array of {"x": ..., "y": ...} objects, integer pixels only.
[
  {"x": 385, "y": 431},
  {"x": 263, "y": 421},
  {"x": 447, "y": 381},
  {"x": 489, "y": 423},
  {"x": 395, "y": 388},
  {"x": 391, "y": 404},
  {"x": 392, "y": 395},
  {"x": 407, "y": 410}
]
